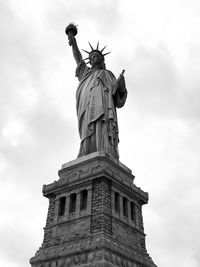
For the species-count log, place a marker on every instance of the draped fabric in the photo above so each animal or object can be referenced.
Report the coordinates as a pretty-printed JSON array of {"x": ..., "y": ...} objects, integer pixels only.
[{"x": 96, "y": 110}]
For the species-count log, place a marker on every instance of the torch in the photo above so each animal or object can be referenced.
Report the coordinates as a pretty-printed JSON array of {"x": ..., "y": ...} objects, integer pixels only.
[{"x": 72, "y": 30}]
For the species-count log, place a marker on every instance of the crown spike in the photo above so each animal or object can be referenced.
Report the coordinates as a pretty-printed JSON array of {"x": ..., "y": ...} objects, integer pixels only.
[
  {"x": 85, "y": 51},
  {"x": 91, "y": 46},
  {"x": 106, "y": 53},
  {"x": 103, "y": 48},
  {"x": 97, "y": 46}
]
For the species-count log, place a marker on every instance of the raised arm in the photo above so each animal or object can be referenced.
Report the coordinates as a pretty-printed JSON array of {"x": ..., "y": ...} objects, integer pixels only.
[{"x": 76, "y": 52}]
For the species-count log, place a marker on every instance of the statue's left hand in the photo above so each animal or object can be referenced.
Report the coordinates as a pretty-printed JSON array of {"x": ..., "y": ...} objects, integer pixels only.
[
  {"x": 120, "y": 82},
  {"x": 120, "y": 85}
]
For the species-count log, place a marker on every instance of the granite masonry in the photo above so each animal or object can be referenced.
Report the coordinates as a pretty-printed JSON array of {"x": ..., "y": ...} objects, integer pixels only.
[{"x": 94, "y": 217}]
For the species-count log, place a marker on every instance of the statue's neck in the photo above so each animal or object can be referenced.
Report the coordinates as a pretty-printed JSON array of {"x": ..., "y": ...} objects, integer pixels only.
[{"x": 97, "y": 67}]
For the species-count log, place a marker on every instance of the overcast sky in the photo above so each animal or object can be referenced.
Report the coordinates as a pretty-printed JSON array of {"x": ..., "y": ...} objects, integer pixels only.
[{"x": 157, "y": 42}]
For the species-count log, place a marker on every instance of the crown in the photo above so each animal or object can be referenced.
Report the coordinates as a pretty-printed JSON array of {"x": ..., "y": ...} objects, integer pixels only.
[{"x": 95, "y": 50}]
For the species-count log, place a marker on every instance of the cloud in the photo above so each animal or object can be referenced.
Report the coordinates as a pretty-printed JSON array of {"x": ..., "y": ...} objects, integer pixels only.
[
  {"x": 20, "y": 225},
  {"x": 153, "y": 87},
  {"x": 159, "y": 126}
]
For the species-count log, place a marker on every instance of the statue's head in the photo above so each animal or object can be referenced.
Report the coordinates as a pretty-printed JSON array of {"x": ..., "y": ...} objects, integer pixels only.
[{"x": 96, "y": 57}]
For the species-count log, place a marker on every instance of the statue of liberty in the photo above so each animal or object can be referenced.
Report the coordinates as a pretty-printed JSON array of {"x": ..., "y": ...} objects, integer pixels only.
[{"x": 98, "y": 95}]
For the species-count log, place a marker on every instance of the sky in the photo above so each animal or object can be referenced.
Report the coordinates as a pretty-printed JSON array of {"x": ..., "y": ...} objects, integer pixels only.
[{"x": 157, "y": 42}]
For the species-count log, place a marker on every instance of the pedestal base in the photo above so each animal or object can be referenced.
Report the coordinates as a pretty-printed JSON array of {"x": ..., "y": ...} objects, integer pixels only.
[{"x": 94, "y": 217}]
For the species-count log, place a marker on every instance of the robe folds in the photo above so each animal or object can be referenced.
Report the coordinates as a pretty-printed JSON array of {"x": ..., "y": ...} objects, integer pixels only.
[{"x": 96, "y": 110}]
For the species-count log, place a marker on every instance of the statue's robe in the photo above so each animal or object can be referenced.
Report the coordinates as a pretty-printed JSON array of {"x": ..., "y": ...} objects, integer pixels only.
[{"x": 96, "y": 105}]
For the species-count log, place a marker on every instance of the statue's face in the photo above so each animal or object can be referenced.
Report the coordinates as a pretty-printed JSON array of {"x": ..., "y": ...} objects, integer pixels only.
[{"x": 95, "y": 59}]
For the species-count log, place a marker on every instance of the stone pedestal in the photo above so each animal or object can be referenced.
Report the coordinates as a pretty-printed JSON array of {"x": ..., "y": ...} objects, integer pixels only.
[{"x": 94, "y": 217}]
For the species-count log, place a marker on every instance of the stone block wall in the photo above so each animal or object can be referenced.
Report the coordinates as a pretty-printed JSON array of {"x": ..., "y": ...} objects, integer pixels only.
[
  {"x": 96, "y": 233},
  {"x": 48, "y": 230},
  {"x": 101, "y": 206}
]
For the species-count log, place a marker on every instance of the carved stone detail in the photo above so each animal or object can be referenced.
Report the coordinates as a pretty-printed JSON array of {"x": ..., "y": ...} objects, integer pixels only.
[{"x": 95, "y": 257}]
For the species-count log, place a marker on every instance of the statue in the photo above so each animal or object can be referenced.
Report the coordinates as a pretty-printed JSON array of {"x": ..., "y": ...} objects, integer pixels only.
[{"x": 97, "y": 96}]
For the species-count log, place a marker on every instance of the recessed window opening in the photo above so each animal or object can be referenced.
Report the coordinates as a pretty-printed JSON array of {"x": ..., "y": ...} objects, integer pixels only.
[
  {"x": 83, "y": 200},
  {"x": 72, "y": 203},
  {"x": 62, "y": 203},
  {"x": 117, "y": 202},
  {"x": 125, "y": 207},
  {"x": 133, "y": 211}
]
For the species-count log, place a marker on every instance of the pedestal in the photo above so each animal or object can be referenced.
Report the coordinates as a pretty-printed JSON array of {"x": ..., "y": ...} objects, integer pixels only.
[{"x": 94, "y": 217}]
